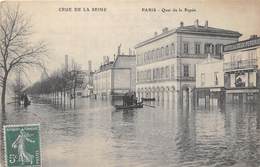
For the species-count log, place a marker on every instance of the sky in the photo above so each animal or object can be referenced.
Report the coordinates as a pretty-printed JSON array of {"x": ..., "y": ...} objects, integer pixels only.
[{"x": 91, "y": 35}]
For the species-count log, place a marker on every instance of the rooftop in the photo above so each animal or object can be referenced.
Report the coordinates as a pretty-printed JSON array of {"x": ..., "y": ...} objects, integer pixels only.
[
  {"x": 251, "y": 42},
  {"x": 110, "y": 64},
  {"x": 192, "y": 29}
]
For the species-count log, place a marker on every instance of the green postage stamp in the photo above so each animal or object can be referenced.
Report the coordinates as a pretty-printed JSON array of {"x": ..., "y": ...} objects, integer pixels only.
[{"x": 22, "y": 145}]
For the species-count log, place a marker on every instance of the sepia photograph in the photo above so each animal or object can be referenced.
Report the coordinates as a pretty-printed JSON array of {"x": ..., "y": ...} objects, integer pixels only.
[{"x": 130, "y": 83}]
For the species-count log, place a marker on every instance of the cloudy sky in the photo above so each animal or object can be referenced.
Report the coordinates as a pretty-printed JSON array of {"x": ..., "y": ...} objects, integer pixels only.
[{"x": 91, "y": 35}]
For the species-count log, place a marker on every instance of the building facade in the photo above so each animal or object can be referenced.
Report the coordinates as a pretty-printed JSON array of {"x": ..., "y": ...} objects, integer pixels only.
[
  {"x": 166, "y": 62},
  {"x": 115, "y": 78},
  {"x": 210, "y": 81},
  {"x": 241, "y": 69}
]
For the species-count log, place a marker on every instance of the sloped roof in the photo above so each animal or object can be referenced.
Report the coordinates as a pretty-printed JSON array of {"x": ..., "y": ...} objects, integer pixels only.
[
  {"x": 208, "y": 30},
  {"x": 192, "y": 29}
]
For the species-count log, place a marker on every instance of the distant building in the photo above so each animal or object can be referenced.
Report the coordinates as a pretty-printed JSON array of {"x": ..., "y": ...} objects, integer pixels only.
[
  {"x": 115, "y": 78},
  {"x": 241, "y": 68},
  {"x": 85, "y": 86},
  {"x": 166, "y": 62}
]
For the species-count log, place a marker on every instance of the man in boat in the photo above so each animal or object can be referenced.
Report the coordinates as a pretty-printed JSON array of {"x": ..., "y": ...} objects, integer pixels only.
[{"x": 129, "y": 99}]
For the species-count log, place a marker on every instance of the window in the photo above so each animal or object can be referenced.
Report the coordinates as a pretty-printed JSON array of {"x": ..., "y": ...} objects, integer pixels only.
[
  {"x": 154, "y": 55},
  {"x": 162, "y": 73},
  {"x": 172, "y": 51},
  {"x": 149, "y": 75},
  {"x": 167, "y": 50},
  {"x": 157, "y": 53},
  {"x": 167, "y": 72},
  {"x": 162, "y": 51},
  {"x": 186, "y": 48},
  {"x": 172, "y": 71},
  {"x": 202, "y": 79},
  {"x": 207, "y": 48},
  {"x": 158, "y": 73},
  {"x": 145, "y": 57},
  {"x": 218, "y": 49},
  {"x": 197, "y": 48},
  {"x": 154, "y": 74},
  {"x": 148, "y": 56},
  {"x": 216, "y": 78},
  {"x": 186, "y": 70}
]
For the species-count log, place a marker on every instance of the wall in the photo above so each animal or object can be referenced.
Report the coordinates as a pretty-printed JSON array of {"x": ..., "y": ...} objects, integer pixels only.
[
  {"x": 126, "y": 61},
  {"x": 121, "y": 80},
  {"x": 209, "y": 68},
  {"x": 102, "y": 82}
]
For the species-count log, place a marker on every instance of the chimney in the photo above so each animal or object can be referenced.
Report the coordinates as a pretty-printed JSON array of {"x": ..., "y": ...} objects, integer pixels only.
[
  {"x": 206, "y": 24},
  {"x": 253, "y": 36},
  {"x": 181, "y": 24},
  {"x": 89, "y": 66},
  {"x": 196, "y": 23},
  {"x": 165, "y": 29},
  {"x": 155, "y": 33}
]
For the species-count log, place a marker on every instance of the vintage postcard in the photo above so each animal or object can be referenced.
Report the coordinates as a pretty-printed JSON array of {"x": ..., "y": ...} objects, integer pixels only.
[{"x": 130, "y": 83}]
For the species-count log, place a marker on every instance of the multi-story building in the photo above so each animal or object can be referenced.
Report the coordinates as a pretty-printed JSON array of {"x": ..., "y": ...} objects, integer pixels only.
[
  {"x": 115, "y": 78},
  {"x": 166, "y": 62},
  {"x": 210, "y": 81},
  {"x": 241, "y": 68}
]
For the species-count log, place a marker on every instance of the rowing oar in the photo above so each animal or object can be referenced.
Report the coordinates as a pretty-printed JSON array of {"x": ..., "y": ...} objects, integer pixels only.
[{"x": 149, "y": 105}]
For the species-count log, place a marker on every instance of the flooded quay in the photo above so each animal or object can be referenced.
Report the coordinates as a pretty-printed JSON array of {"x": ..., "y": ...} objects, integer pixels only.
[{"x": 95, "y": 134}]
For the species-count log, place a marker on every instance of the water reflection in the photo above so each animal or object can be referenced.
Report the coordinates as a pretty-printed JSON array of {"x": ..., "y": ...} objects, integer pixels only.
[{"x": 95, "y": 134}]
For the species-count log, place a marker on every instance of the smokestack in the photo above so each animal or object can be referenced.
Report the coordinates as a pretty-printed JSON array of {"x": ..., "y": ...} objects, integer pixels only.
[
  {"x": 89, "y": 66},
  {"x": 196, "y": 23},
  {"x": 206, "y": 24},
  {"x": 119, "y": 50}
]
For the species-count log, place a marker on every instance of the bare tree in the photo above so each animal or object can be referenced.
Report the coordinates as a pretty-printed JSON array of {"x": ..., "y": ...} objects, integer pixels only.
[{"x": 16, "y": 49}]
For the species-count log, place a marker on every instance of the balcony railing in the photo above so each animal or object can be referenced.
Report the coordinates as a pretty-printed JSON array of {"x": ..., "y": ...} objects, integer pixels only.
[
  {"x": 178, "y": 78},
  {"x": 242, "y": 64}
]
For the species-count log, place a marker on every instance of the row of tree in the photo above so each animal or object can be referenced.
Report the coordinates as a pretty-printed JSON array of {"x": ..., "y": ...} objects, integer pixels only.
[{"x": 61, "y": 85}]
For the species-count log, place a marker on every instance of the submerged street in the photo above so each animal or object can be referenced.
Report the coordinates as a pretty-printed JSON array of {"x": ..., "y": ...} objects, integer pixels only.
[{"x": 96, "y": 135}]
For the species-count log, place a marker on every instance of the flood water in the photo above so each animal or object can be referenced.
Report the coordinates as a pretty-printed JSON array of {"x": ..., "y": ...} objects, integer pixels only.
[{"x": 96, "y": 135}]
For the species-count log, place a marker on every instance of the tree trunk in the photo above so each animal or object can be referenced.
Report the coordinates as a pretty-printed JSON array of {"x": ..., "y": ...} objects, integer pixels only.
[
  {"x": 64, "y": 98},
  {"x": 3, "y": 93},
  {"x": 74, "y": 92}
]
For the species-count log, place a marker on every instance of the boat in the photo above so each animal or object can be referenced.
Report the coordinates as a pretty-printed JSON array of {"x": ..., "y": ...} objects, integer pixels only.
[
  {"x": 148, "y": 99},
  {"x": 121, "y": 107}
]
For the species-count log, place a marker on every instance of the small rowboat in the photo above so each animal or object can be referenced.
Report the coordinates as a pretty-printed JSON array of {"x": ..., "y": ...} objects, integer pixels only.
[
  {"x": 121, "y": 107},
  {"x": 148, "y": 99}
]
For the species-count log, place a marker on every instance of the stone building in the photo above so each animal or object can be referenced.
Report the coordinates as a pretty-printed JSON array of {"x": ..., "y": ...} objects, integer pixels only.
[
  {"x": 241, "y": 69},
  {"x": 166, "y": 62},
  {"x": 210, "y": 81},
  {"x": 115, "y": 78}
]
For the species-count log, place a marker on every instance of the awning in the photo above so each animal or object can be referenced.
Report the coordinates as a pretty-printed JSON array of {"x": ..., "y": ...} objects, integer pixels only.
[
  {"x": 242, "y": 91},
  {"x": 215, "y": 90}
]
